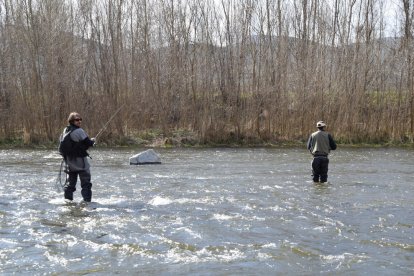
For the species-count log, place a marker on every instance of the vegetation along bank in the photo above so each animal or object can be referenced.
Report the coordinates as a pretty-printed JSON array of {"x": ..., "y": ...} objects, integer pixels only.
[{"x": 194, "y": 73}]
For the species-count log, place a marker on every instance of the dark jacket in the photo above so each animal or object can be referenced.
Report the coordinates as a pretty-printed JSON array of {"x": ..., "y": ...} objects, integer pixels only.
[{"x": 79, "y": 147}]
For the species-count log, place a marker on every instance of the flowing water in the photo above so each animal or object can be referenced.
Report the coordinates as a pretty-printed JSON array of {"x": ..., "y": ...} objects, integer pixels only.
[{"x": 210, "y": 212}]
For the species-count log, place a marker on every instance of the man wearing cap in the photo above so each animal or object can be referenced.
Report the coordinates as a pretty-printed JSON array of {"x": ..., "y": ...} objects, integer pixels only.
[{"x": 320, "y": 143}]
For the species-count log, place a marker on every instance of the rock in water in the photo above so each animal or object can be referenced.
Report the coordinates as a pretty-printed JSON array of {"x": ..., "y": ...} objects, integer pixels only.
[{"x": 145, "y": 157}]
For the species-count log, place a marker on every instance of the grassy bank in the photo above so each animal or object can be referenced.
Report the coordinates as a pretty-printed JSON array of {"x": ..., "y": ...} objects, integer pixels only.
[{"x": 176, "y": 139}]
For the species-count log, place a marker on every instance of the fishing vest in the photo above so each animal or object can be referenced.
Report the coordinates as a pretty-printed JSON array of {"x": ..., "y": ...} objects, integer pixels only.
[
  {"x": 68, "y": 147},
  {"x": 320, "y": 143}
]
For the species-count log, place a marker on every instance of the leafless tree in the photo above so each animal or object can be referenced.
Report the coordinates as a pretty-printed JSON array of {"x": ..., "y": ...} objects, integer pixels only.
[{"x": 228, "y": 71}]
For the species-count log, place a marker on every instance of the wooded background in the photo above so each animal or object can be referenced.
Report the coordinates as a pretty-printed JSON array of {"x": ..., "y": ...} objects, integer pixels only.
[{"x": 226, "y": 70}]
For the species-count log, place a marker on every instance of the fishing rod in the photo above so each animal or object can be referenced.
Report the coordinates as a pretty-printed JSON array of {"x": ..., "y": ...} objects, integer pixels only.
[{"x": 107, "y": 123}]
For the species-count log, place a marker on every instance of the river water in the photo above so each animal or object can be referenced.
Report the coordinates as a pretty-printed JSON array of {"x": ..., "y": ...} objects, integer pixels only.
[{"x": 210, "y": 212}]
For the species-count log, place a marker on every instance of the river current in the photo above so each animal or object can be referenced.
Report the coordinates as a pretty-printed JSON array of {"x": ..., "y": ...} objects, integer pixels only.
[{"x": 210, "y": 212}]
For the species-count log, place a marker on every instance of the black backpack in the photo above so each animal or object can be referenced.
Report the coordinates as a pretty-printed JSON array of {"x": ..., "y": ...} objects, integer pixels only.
[{"x": 66, "y": 144}]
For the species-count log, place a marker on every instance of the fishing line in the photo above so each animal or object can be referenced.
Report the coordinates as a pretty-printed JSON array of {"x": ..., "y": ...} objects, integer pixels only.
[
  {"x": 58, "y": 184},
  {"x": 107, "y": 123}
]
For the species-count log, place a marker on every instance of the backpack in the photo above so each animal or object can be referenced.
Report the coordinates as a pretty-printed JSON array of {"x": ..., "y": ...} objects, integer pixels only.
[{"x": 66, "y": 144}]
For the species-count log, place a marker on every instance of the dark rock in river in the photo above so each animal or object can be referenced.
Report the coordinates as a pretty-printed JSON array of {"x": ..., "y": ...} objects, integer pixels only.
[{"x": 145, "y": 157}]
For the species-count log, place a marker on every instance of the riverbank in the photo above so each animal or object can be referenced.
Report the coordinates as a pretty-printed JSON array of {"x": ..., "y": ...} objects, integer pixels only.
[{"x": 193, "y": 142}]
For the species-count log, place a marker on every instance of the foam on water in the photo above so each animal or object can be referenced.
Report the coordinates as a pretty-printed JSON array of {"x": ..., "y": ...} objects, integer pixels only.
[{"x": 158, "y": 200}]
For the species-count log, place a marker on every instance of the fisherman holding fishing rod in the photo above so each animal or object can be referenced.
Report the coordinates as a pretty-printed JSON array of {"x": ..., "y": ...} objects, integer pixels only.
[{"x": 73, "y": 146}]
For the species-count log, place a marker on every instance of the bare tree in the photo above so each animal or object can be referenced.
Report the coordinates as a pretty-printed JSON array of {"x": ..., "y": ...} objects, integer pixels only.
[{"x": 231, "y": 71}]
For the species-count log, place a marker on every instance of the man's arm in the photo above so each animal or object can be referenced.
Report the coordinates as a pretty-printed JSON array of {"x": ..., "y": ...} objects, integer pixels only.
[
  {"x": 310, "y": 143},
  {"x": 87, "y": 143},
  {"x": 79, "y": 135},
  {"x": 332, "y": 143}
]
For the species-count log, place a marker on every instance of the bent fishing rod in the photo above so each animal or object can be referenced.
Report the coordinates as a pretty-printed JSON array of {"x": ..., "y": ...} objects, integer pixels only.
[{"x": 107, "y": 123}]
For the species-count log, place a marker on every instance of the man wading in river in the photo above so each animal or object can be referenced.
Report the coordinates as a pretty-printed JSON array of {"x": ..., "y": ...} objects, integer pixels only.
[
  {"x": 73, "y": 150},
  {"x": 320, "y": 143}
]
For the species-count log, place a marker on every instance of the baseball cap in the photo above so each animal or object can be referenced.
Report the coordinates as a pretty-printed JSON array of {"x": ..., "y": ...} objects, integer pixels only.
[{"x": 320, "y": 124}]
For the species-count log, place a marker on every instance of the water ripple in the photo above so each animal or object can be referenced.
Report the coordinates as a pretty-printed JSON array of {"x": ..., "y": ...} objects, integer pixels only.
[{"x": 239, "y": 211}]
